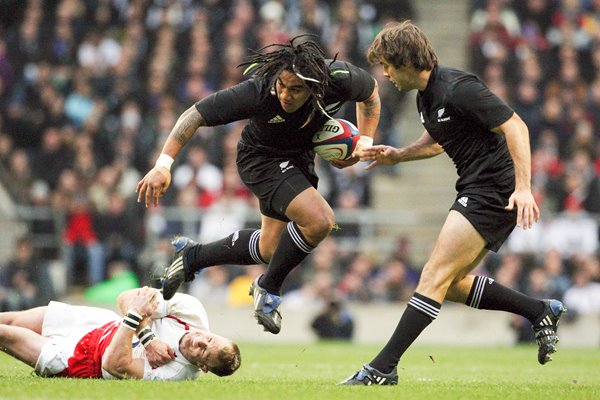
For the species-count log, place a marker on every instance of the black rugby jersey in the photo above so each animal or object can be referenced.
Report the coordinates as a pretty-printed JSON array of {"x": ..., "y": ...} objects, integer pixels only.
[
  {"x": 459, "y": 111},
  {"x": 271, "y": 129}
]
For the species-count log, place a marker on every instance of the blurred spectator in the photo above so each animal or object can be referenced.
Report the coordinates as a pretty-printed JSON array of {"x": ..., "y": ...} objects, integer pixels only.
[
  {"x": 393, "y": 282},
  {"x": 44, "y": 223},
  {"x": 98, "y": 52},
  {"x": 527, "y": 241},
  {"x": 508, "y": 272},
  {"x": 82, "y": 247},
  {"x": 573, "y": 232},
  {"x": 116, "y": 228},
  {"x": 392, "y": 10},
  {"x": 237, "y": 295},
  {"x": 496, "y": 13},
  {"x": 198, "y": 171},
  {"x": 52, "y": 157},
  {"x": 120, "y": 277},
  {"x": 313, "y": 294},
  {"x": 333, "y": 322},
  {"x": 557, "y": 277},
  {"x": 211, "y": 286},
  {"x": 79, "y": 104},
  {"x": 584, "y": 296},
  {"x": 20, "y": 175},
  {"x": 354, "y": 284},
  {"x": 227, "y": 214},
  {"x": 308, "y": 16},
  {"x": 353, "y": 179},
  {"x": 325, "y": 258},
  {"x": 25, "y": 280}
]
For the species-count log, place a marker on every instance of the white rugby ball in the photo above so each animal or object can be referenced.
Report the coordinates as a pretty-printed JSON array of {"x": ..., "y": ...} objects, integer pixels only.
[{"x": 336, "y": 139}]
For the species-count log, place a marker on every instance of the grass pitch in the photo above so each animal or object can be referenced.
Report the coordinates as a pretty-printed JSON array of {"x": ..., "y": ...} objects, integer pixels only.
[{"x": 311, "y": 372}]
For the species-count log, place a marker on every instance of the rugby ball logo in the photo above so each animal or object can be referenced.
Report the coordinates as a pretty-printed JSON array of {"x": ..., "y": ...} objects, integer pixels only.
[{"x": 336, "y": 139}]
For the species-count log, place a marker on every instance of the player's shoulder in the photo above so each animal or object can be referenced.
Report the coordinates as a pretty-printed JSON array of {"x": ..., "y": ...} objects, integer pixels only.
[
  {"x": 340, "y": 69},
  {"x": 185, "y": 298},
  {"x": 252, "y": 84},
  {"x": 251, "y": 92},
  {"x": 458, "y": 84}
]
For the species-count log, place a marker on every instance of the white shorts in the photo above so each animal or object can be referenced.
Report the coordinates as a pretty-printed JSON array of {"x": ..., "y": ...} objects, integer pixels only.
[{"x": 65, "y": 325}]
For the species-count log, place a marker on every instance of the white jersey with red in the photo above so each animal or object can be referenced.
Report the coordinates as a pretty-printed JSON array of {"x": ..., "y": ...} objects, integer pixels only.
[
  {"x": 171, "y": 320},
  {"x": 80, "y": 335}
]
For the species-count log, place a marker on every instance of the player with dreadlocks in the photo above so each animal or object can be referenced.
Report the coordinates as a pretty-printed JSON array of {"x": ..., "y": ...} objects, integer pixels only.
[{"x": 292, "y": 92}]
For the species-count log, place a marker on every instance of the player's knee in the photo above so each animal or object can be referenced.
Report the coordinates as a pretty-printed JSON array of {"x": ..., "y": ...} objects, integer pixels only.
[
  {"x": 320, "y": 225},
  {"x": 435, "y": 279},
  {"x": 6, "y": 335},
  {"x": 7, "y": 318},
  {"x": 266, "y": 253}
]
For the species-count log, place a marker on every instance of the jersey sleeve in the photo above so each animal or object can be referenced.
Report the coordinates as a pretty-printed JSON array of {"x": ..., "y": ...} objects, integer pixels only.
[
  {"x": 172, "y": 371},
  {"x": 473, "y": 98},
  {"x": 355, "y": 81},
  {"x": 185, "y": 307},
  {"x": 232, "y": 104}
]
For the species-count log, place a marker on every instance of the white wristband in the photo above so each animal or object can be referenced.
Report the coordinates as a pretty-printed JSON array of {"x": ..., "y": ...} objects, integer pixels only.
[
  {"x": 365, "y": 141},
  {"x": 165, "y": 161}
]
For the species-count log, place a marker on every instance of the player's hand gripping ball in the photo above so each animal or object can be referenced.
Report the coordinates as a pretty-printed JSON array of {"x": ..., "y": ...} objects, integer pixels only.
[{"x": 336, "y": 140}]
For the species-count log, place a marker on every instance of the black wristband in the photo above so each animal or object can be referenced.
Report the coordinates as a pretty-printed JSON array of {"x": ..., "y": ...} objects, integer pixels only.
[
  {"x": 146, "y": 336},
  {"x": 132, "y": 320}
]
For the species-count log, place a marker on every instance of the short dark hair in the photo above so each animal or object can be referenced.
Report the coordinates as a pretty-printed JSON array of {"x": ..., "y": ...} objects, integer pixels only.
[
  {"x": 403, "y": 45},
  {"x": 301, "y": 56}
]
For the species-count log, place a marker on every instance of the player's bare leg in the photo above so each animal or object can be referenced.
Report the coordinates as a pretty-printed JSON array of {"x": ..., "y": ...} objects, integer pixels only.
[
  {"x": 31, "y": 319},
  {"x": 458, "y": 246},
  {"x": 22, "y": 343}
]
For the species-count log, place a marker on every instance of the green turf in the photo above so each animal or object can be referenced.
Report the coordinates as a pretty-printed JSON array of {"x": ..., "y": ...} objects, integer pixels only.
[{"x": 310, "y": 372}]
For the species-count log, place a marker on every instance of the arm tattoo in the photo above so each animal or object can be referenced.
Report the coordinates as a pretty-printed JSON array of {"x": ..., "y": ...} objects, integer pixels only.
[
  {"x": 187, "y": 125},
  {"x": 371, "y": 108}
]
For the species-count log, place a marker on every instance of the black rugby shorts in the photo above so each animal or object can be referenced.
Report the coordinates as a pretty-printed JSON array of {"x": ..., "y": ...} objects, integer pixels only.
[
  {"x": 484, "y": 209},
  {"x": 275, "y": 180}
]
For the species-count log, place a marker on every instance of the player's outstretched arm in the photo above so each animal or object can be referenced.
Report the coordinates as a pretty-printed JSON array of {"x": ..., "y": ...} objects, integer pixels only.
[
  {"x": 156, "y": 182},
  {"x": 424, "y": 147}
]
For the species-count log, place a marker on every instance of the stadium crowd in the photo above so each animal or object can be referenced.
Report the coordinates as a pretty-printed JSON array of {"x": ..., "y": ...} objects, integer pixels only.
[
  {"x": 90, "y": 88},
  {"x": 543, "y": 58}
]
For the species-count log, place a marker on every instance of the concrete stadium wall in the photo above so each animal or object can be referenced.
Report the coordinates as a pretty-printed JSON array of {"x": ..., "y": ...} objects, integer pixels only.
[{"x": 456, "y": 325}]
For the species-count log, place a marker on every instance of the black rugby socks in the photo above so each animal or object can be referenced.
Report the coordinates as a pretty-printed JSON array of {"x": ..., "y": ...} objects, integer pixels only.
[
  {"x": 487, "y": 294},
  {"x": 291, "y": 250},
  {"x": 419, "y": 313},
  {"x": 240, "y": 248}
]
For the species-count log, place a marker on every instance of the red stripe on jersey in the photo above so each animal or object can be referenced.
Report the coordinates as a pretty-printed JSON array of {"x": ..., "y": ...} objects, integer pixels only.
[
  {"x": 185, "y": 325},
  {"x": 86, "y": 361}
]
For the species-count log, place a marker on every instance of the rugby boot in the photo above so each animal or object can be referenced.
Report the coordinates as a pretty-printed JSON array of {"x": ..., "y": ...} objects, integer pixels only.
[
  {"x": 265, "y": 308},
  {"x": 368, "y": 375},
  {"x": 545, "y": 330},
  {"x": 179, "y": 271}
]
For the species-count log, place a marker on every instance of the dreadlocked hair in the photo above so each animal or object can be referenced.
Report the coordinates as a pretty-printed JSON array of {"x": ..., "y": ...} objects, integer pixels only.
[{"x": 303, "y": 58}]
